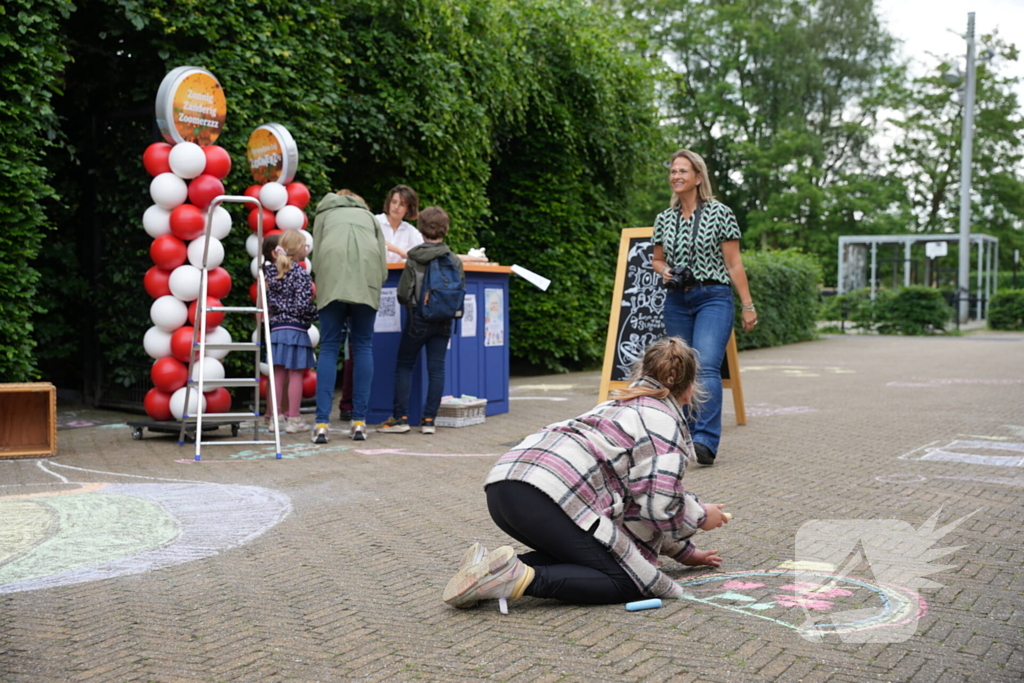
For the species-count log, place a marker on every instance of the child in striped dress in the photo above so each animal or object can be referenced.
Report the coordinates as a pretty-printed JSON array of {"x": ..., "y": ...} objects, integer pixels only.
[
  {"x": 292, "y": 311},
  {"x": 598, "y": 498}
]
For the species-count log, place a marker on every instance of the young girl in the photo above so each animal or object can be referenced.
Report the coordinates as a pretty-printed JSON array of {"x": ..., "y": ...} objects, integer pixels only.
[
  {"x": 598, "y": 498},
  {"x": 290, "y": 296}
]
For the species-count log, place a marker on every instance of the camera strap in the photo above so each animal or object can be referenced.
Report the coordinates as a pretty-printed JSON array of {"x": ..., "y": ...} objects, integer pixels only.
[{"x": 696, "y": 227}]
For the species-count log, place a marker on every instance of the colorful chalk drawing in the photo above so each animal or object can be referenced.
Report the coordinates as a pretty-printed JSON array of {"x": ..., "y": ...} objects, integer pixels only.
[
  {"x": 974, "y": 451},
  {"x": 813, "y": 603},
  {"x": 771, "y": 410},
  {"x": 933, "y": 383},
  {"x": 67, "y": 532}
]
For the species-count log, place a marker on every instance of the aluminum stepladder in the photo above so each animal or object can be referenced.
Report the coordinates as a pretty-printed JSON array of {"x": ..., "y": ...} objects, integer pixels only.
[{"x": 202, "y": 384}]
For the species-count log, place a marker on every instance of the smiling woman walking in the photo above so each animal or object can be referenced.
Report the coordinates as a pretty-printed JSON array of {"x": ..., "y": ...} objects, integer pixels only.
[{"x": 697, "y": 254}]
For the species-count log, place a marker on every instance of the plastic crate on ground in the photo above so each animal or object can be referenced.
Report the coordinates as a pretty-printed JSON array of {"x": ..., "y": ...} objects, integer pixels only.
[{"x": 462, "y": 413}]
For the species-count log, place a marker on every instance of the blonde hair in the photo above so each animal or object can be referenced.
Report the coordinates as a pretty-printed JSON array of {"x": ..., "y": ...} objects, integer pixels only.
[
  {"x": 673, "y": 364},
  {"x": 697, "y": 161},
  {"x": 344, "y": 192},
  {"x": 289, "y": 242}
]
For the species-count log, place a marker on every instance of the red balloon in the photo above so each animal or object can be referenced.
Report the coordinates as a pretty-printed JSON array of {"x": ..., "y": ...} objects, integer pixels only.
[
  {"x": 298, "y": 194},
  {"x": 309, "y": 383},
  {"x": 263, "y": 387},
  {"x": 157, "y": 282},
  {"x": 168, "y": 252},
  {"x": 305, "y": 220},
  {"x": 218, "y": 163},
  {"x": 253, "y": 292},
  {"x": 218, "y": 400},
  {"x": 314, "y": 292},
  {"x": 213, "y": 319},
  {"x": 268, "y": 233},
  {"x": 218, "y": 284},
  {"x": 203, "y": 190},
  {"x": 169, "y": 374},
  {"x": 253, "y": 191},
  {"x": 269, "y": 221},
  {"x": 158, "y": 404},
  {"x": 155, "y": 158},
  {"x": 305, "y": 264},
  {"x": 181, "y": 343},
  {"x": 187, "y": 222}
]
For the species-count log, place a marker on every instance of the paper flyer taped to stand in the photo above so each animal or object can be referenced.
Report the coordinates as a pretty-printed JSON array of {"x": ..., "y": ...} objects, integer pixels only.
[{"x": 538, "y": 281}]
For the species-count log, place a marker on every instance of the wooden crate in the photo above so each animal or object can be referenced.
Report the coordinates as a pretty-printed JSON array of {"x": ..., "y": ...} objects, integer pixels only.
[{"x": 28, "y": 420}]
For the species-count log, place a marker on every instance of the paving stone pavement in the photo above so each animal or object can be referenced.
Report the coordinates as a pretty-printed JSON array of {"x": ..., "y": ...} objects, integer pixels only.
[{"x": 122, "y": 560}]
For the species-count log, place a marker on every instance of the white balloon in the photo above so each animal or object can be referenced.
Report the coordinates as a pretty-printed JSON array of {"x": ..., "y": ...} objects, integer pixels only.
[
  {"x": 264, "y": 369},
  {"x": 220, "y": 226},
  {"x": 309, "y": 265},
  {"x": 289, "y": 217},
  {"x": 314, "y": 335},
  {"x": 253, "y": 335},
  {"x": 168, "y": 313},
  {"x": 254, "y": 267},
  {"x": 168, "y": 191},
  {"x": 157, "y": 343},
  {"x": 156, "y": 221},
  {"x": 218, "y": 335},
  {"x": 309, "y": 239},
  {"x": 252, "y": 245},
  {"x": 178, "y": 402},
  {"x": 273, "y": 196},
  {"x": 212, "y": 369},
  {"x": 185, "y": 282},
  {"x": 214, "y": 256},
  {"x": 187, "y": 160}
]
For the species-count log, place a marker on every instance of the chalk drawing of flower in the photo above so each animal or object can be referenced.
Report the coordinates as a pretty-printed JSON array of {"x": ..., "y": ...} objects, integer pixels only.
[
  {"x": 807, "y": 603},
  {"x": 818, "y": 590},
  {"x": 733, "y": 584}
]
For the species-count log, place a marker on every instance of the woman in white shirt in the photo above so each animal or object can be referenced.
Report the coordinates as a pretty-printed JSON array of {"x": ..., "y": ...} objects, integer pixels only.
[{"x": 401, "y": 205}]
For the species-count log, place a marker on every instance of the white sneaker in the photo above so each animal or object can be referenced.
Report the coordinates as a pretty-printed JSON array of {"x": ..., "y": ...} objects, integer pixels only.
[
  {"x": 358, "y": 430},
  {"x": 500, "y": 574},
  {"x": 320, "y": 433},
  {"x": 296, "y": 425}
]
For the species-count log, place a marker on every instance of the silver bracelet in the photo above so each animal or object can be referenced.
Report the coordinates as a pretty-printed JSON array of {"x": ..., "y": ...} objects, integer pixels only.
[{"x": 749, "y": 308}]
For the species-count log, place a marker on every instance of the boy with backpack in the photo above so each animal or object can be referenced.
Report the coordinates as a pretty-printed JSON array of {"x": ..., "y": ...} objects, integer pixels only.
[{"x": 432, "y": 288}]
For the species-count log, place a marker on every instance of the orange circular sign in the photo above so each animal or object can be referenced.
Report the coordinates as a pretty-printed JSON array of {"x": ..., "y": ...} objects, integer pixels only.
[
  {"x": 272, "y": 154},
  {"x": 190, "y": 106}
]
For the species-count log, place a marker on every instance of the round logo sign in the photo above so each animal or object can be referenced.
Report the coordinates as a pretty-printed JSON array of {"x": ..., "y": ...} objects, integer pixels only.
[
  {"x": 272, "y": 154},
  {"x": 190, "y": 106}
]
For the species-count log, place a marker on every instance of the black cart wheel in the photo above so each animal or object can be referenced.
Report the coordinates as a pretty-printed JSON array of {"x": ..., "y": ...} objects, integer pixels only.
[
  {"x": 234, "y": 429},
  {"x": 137, "y": 434}
]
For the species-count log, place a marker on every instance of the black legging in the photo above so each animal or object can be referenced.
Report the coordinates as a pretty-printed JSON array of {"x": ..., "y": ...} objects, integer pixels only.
[{"x": 570, "y": 564}]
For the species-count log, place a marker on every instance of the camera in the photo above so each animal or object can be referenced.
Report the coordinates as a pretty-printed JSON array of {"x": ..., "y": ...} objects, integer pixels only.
[{"x": 681, "y": 278}]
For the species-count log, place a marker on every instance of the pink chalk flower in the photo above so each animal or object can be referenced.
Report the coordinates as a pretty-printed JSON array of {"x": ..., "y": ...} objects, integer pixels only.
[
  {"x": 805, "y": 588},
  {"x": 733, "y": 584},
  {"x": 807, "y": 603}
]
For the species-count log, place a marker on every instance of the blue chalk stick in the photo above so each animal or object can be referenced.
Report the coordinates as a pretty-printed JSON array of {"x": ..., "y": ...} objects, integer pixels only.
[{"x": 653, "y": 603}]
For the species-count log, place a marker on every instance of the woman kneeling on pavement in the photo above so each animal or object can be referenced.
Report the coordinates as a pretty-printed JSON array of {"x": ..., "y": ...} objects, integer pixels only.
[{"x": 598, "y": 498}]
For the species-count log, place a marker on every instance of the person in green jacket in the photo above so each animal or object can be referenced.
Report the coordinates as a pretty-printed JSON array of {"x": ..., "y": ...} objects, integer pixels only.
[{"x": 349, "y": 269}]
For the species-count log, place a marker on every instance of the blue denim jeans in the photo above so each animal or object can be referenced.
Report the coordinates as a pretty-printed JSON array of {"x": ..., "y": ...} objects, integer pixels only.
[
  {"x": 703, "y": 317},
  {"x": 417, "y": 334},
  {"x": 333, "y": 319}
]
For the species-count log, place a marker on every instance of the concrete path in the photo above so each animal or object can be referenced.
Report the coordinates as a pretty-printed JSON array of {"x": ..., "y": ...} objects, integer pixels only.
[{"x": 122, "y": 560}]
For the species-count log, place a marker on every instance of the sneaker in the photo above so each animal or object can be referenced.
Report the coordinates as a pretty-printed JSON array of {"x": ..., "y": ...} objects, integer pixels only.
[
  {"x": 427, "y": 425},
  {"x": 358, "y": 430},
  {"x": 268, "y": 424},
  {"x": 473, "y": 554},
  {"x": 344, "y": 415},
  {"x": 704, "y": 455},
  {"x": 500, "y": 574},
  {"x": 295, "y": 425},
  {"x": 320, "y": 433},
  {"x": 394, "y": 425}
]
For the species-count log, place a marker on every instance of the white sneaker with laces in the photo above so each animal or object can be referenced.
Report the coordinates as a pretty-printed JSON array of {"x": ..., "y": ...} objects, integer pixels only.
[{"x": 358, "y": 430}]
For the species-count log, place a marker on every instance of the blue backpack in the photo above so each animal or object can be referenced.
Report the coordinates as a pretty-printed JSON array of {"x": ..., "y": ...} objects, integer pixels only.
[{"x": 443, "y": 291}]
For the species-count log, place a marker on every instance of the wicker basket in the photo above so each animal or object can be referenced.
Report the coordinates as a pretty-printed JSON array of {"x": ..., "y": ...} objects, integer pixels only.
[{"x": 462, "y": 414}]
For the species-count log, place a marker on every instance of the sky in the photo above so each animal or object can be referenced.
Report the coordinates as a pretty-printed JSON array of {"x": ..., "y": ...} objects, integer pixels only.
[{"x": 923, "y": 26}]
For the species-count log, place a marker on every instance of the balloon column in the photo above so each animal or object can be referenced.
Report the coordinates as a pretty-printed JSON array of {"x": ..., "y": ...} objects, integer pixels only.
[
  {"x": 188, "y": 173},
  {"x": 273, "y": 158}
]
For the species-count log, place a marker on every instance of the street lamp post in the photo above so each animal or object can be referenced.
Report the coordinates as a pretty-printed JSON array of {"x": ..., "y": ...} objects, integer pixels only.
[{"x": 964, "y": 271}]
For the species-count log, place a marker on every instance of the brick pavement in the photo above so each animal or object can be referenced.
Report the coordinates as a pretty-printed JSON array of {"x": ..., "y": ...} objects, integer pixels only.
[{"x": 328, "y": 565}]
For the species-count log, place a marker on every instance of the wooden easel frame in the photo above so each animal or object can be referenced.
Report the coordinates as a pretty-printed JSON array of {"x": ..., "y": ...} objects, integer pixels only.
[{"x": 732, "y": 362}]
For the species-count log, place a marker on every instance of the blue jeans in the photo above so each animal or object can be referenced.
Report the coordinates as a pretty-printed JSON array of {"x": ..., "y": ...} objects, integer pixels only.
[
  {"x": 703, "y": 317},
  {"x": 417, "y": 334},
  {"x": 333, "y": 319}
]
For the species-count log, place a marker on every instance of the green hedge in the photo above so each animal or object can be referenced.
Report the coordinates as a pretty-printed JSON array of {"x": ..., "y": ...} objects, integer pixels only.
[
  {"x": 914, "y": 310},
  {"x": 784, "y": 287},
  {"x": 1006, "y": 311},
  {"x": 31, "y": 66}
]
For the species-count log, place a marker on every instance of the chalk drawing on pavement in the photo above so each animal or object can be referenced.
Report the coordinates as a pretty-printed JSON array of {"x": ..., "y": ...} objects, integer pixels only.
[
  {"x": 813, "y": 603},
  {"x": 801, "y": 370},
  {"x": 920, "y": 382},
  {"x": 1015, "y": 482},
  {"x": 57, "y": 536},
  {"x": 969, "y": 451}
]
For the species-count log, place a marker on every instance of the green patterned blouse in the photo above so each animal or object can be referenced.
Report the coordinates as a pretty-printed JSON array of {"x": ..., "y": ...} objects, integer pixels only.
[{"x": 675, "y": 234}]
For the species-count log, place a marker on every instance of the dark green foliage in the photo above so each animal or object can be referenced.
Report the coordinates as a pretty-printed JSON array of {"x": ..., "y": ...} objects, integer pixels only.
[
  {"x": 31, "y": 64},
  {"x": 784, "y": 287},
  {"x": 1006, "y": 312},
  {"x": 911, "y": 310}
]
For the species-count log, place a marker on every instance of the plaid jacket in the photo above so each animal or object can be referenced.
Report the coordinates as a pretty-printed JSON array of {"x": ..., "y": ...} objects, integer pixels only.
[{"x": 620, "y": 465}]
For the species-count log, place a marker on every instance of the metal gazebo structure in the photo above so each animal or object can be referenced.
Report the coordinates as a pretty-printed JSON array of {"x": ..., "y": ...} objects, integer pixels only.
[{"x": 856, "y": 271}]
